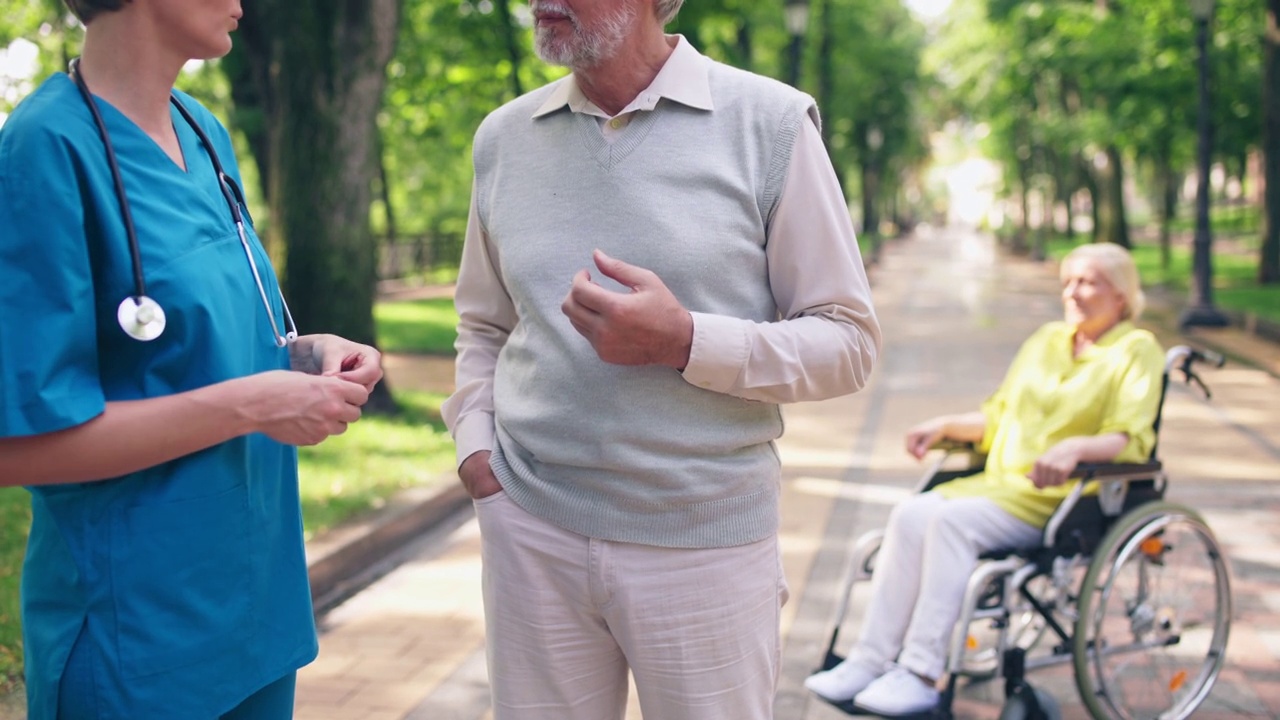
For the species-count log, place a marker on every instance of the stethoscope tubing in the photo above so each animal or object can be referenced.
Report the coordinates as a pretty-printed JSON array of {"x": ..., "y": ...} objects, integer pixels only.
[
  {"x": 233, "y": 202},
  {"x": 135, "y": 254},
  {"x": 145, "y": 307}
]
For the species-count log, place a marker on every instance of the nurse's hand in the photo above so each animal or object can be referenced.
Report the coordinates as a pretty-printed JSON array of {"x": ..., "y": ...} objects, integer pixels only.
[
  {"x": 477, "y": 477},
  {"x": 336, "y": 356},
  {"x": 299, "y": 409}
]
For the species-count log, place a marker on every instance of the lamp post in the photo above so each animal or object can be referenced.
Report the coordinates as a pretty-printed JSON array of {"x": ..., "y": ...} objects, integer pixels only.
[
  {"x": 1201, "y": 311},
  {"x": 797, "y": 23}
]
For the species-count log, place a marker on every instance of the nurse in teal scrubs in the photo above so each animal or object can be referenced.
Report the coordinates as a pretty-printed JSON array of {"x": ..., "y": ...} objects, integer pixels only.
[{"x": 165, "y": 575}]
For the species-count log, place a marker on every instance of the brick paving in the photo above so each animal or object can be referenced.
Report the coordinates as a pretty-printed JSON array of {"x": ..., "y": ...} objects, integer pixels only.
[{"x": 411, "y": 646}]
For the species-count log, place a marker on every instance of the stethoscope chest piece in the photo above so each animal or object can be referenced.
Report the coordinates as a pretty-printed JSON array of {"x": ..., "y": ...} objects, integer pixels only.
[{"x": 141, "y": 318}]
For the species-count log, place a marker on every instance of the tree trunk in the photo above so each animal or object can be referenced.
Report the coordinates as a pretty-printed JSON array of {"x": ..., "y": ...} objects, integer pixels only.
[
  {"x": 1090, "y": 182},
  {"x": 826, "y": 87},
  {"x": 1168, "y": 182},
  {"x": 511, "y": 39},
  {"x": 391, "y": 239},
  {"x": 250, "y": 82},
  {"x": 1118, "y": 222},
  {"x": 1022, "y": 235},
  {"x": 326, "y": 66},
  {"x": 746, "y": 51},
  {"x": 1269, "y": 254},
  {"x": 870, "y": 201}
]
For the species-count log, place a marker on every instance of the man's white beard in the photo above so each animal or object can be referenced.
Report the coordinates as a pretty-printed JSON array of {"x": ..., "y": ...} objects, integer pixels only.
[{"x": 586, "y": 48}]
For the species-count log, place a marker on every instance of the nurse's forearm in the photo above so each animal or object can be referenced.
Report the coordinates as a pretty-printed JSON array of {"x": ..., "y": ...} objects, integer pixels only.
[{"x": 127, "y": 437}]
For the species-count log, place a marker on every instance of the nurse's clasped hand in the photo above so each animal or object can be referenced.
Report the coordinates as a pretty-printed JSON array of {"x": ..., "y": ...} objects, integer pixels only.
[
  {"x": 301, "y": 409},
  {"x": 321, "y": 354}
]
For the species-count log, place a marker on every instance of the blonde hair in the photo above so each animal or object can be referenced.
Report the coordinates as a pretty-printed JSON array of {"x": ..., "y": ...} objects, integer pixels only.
[{"x": 1118, "y": 268}]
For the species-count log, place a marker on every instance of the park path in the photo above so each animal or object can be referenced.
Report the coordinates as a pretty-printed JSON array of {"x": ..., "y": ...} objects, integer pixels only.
[{"x": 954, "y": 310}]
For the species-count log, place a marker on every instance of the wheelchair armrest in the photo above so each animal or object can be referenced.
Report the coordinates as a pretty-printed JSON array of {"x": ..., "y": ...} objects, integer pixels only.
[
  {"x": 935, "y": 475},
  {"x": 1114, "y": 496},
  {"x": 954, "y": 446},
  {"x": 1120, "y": 471}
]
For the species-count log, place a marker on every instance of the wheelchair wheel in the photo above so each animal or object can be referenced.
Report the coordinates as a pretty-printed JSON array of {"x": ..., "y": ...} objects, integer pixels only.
[{"x": 1154, "y": 611}]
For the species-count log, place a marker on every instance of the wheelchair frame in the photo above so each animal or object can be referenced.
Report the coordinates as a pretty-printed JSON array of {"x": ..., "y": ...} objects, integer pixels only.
[{"x": 1097, "y": 533}]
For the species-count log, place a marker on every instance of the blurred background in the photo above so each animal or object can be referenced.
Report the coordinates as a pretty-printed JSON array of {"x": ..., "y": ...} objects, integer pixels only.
[{"x": 1154, "y": 124}]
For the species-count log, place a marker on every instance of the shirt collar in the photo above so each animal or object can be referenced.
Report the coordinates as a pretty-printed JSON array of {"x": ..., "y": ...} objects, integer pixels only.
[{"x": 683, "y": 79}]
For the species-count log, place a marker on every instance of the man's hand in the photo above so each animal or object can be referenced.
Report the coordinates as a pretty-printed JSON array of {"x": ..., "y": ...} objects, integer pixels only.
[
  {"x": 477, "y": 477},
  {"x": 647, "y": 326}
]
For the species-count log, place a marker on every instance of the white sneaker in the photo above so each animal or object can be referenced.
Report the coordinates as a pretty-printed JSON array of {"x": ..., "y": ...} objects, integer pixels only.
[
  {"x": 898, "y": 692},
  {"x": 841, "y": 682}
]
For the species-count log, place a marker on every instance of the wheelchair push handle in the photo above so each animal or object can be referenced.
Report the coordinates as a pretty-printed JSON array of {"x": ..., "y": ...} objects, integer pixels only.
[{"x": 1184, "y": 358}]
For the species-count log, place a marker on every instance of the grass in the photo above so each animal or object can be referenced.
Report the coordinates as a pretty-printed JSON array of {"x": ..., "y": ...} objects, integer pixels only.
[
  {"x": 357, "y": 471},
  {"x": 15, "y": 518},
  {"x": 417, "y": 326},
  {"x": 343, "y": 477},
  {"x": 1226, "y": 219},
  {"x": 1235, "y": 285}
]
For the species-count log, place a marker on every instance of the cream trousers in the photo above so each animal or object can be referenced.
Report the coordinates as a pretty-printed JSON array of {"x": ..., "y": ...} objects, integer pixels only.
[
  {"x": 566, "y": 616},
  {"x": 930, "y": 548}
]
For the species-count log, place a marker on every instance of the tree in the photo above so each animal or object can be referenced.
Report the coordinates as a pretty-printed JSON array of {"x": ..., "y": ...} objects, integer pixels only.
[
  {"x": 1269, "y": 256},
  {"x": 318, "y": 70}
]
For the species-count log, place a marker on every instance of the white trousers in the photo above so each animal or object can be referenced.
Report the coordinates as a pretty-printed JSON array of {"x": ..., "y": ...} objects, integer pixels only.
[
  {"x": 930, "y": 549},
  {"x": 566, "y": 616}
]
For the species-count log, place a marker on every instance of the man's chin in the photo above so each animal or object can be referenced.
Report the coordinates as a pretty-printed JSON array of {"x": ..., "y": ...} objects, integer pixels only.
[{"x": 553, "y": 53}]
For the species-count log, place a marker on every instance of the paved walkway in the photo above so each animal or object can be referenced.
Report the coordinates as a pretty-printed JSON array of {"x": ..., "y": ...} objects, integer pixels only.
[{"x": 411, "y": 646}]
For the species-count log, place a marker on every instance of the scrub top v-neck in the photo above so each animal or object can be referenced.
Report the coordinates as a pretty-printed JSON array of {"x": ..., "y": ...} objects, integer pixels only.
[{"x": 186, "y": 582}]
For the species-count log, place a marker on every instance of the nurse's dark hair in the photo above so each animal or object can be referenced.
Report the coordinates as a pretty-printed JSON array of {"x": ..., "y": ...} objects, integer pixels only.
[{"x": 87, "y": 10}]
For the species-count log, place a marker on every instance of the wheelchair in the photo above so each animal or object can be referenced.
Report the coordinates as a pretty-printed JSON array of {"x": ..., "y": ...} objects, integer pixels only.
[{"x": 1129, "y": 588}]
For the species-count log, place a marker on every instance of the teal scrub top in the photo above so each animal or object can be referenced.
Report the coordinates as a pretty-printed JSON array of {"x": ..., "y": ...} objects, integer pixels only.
[{"x": 188, "y": 580}]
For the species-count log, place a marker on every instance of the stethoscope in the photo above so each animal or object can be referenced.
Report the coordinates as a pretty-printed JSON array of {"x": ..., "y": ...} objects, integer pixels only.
[{"x": 140, "y": 316}]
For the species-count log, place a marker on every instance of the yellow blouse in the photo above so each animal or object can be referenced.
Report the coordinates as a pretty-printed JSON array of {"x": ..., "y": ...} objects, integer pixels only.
[{"x": 1048, "y": 396}]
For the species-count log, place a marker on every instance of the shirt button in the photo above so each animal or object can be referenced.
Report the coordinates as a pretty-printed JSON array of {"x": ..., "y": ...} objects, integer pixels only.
[{"x": 616, "y": 123}]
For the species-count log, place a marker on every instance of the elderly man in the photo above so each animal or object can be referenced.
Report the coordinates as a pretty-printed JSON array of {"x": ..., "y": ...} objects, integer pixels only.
[{"x": 658, "y": 255}]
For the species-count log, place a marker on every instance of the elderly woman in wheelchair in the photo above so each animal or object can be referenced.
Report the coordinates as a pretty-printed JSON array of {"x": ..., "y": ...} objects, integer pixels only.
[{"x": 1080, "y": 392}]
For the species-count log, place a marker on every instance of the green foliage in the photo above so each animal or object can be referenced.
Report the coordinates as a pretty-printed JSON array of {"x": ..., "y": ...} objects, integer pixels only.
[
  {"x": 1059, "y": 83},
  {"x": 744, "y": 33},
  {"x": 450, "y": 70},
  {"x": 44, "y": 26}
]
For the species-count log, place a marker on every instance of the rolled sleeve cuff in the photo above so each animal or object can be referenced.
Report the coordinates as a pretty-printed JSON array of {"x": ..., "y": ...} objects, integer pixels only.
[
  {"x": 473, "y": 434},
  {"x": 719, "y": 352}
]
